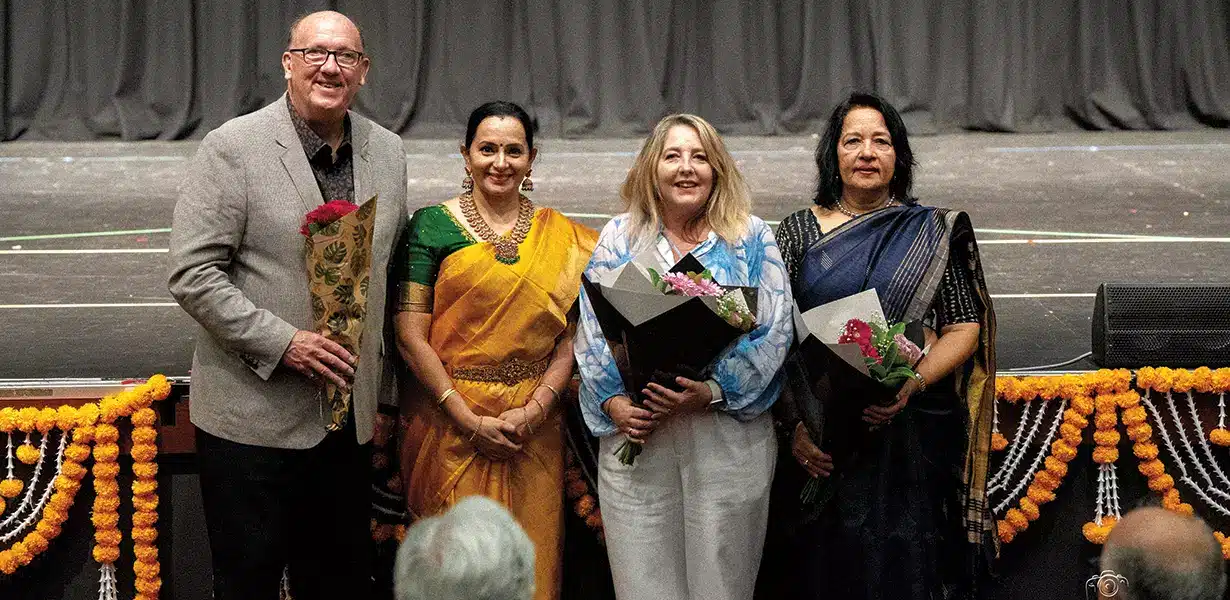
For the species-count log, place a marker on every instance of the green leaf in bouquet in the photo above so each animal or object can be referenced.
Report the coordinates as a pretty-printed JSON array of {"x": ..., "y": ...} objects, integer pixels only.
[
  {"x": 896, "y": 329},
  {"x": 337, "y": 322},
  {"x": 318, "y": 308},
  {"x": 330, "y": 275},
  {"x": 877, "y": 370},
  {"x": 344, "y": 293},
  {"x": 335, "y": 253}
]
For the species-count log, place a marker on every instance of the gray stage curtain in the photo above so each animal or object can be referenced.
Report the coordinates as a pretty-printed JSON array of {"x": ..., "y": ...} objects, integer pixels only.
[{"x": 170, "y": 69}]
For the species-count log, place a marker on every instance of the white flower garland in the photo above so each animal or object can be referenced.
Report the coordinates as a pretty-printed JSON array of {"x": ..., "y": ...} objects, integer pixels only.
[
  {"x": 32, "y": 518},
  {"x": 1173, "y": 450},
  {"x": 1208, "y": 451},
  {"x": 1020, "y": 440},
  {"x": 1043, "y": 452}
]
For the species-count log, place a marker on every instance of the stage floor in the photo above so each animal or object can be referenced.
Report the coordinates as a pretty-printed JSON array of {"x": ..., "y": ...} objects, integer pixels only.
[{"x": 84, "y": 230}]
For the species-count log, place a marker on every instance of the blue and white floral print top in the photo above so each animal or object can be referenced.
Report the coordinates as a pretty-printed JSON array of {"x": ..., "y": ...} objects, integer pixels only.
[{"x": 750, "y": 371}]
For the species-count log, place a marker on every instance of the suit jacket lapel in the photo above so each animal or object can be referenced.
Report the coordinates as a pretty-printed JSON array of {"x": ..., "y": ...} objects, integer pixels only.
[
  {"x": 360, "y": 133},
  {"x": 295, "y": 160}
]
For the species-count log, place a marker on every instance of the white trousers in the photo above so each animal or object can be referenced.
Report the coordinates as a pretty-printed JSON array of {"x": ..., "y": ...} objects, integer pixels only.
[{"x": 687, "y": 521}]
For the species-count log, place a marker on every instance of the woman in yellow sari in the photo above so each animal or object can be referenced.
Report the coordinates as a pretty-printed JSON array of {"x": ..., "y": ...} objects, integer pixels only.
[{"x": 488, "y": 286}]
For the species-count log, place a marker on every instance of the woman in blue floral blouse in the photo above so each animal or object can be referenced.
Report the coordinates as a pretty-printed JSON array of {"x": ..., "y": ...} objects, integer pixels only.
[{"x": 687, "y": 519}]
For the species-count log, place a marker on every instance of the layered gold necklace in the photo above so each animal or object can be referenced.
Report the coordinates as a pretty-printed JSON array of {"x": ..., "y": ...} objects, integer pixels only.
[{"x": 506, "y": 246}]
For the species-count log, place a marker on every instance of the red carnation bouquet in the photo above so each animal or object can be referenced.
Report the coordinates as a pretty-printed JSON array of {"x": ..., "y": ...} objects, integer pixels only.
[{"x": 338, "y": 249}]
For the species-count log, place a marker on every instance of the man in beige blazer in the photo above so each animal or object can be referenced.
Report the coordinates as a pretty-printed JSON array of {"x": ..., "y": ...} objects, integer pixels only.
[{"x": 280, "y": 490}]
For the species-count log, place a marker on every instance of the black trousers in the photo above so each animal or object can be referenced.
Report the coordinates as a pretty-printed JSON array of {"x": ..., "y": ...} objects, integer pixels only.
[{"x": 305, "y": 510}]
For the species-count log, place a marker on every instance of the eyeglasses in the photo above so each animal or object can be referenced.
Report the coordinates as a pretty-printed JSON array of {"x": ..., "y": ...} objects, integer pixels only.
[{"x": 319, "y": 56}]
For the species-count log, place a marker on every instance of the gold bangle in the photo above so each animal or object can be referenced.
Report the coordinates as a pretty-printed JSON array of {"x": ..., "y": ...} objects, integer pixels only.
[
  {"x": 922, "y": 383},
  {"x": 445, "y": 395},
  {"x": 528, "y": 424},
  {"x": 476, "y": 428},
  {"x": 554, "y": 392},
  {"x": 541, "y": 408}
]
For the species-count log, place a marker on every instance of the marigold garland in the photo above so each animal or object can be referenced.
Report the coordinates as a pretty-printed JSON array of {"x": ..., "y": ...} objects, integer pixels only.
[
  {"x": 85, "y": 425},
  {"x": 583, "y": 502}
]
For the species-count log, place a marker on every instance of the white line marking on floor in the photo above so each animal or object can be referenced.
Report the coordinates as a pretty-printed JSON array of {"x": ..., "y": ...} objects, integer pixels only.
[
  {"x": 1153, "y": 240},
  {"x": 61, "y": 251},
  {"x": 91, "y": 305},
  {"x": 1213, "y": 146}
]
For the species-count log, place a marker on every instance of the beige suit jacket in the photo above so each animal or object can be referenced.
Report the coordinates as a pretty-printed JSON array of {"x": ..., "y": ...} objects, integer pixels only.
[{"x": 237, "y": 267}]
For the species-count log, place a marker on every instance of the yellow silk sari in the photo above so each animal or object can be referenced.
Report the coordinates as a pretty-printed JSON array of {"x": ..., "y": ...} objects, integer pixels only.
[{"x": 487, "y": 313}]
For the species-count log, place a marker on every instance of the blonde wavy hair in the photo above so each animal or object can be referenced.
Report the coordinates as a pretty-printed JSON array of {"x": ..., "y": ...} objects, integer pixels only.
[{"x": 729, "y": 204}]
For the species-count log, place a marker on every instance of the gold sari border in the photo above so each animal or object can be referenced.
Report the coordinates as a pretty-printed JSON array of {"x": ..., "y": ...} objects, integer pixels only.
[{"x": 509, "y": 372}]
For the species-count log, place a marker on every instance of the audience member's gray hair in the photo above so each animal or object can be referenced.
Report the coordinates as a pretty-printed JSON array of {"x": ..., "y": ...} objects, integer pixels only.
[
  {"x": 1165, "y": 556},
  {"x": 475, "y": 551}
]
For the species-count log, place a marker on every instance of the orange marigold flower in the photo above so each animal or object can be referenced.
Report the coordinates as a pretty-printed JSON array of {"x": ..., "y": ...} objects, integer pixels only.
[
  {"x": 106, "y": 487},
  {"x": 9, "y": 488},
  {"x": 149, "y": 587},
  {"x": 106, "y": 470},
  {"x": 144, "y": 452},
  {"x": 83, "y": 434},
  {"x": 46, "y": 420},
  {"x": 1145, "y": 450},
  {"x": 1140, "y": 432},
  {"x": 160, "y": 388},
  {"x": 105, "y": 520},
  {"x": 106, "y": 554},
  {"x": 1152, "y": 468},
  {"x": 1006, "y": 532},
  {"x": 1184, "y": 381},
  {"x": 144, "y": 435},
  {"x": 107, "y": 504},
  {"x": 22, "y": 554},
  {"x": 36, "y": 542},
  {"x": 144, "y": 534},
  {"x": 998, "y": 442},
  {"x": 1071, "y": 385},
  {"x": 1203, "y": 380},
  {"x": 1083, "y": 405},
  {"x": 1161, "y": 483},
  {"x": 1097, "y": 534},
  {"x": 1171, "y": 504},
  {"x": 145, "y": 570},
  {"x": 141, "y": 488},
  {"x": 1106, "y": 420},
  {"x": 77, "y": 452},
  {"x": 1134, "y": 415},
  {"x": 1017, "y": 519},
  {"x": 144, "y": 518},
  {"x": 1106, "y": 438},
  {"x": 106, "y": 452},
  {"x": 48, "y": 529},
  {"x": 1164, "y": 381},
  {"x": 60, "y": 501},
  {"x": 2, "y": 506},
  {"x": 575, "y": 488},
  {"x": 1029, "y": 509},
  {"x": 399, "y": 532},
  {"x": 1105, "y": 455},
  {"x": 1145, "y": 376},
  {"x": 8, "y": 419},
  {"x": 145, "y": 470},
  {"x": 108, "y": 537},
  {"x": 1172, "y": 495},
  {"x": 1128, "y": 399},
  {"x": 26, "y": 418},
  {"x": 145, "y": 417},
  {"x": 146, "y": 503},
  {"x": 1039, "y": 495},
  {"x": 1056, "y": 466},
  {"x": 594, "y": 520},
  {"x": 1047, "y": 387},
  {"x": 106, "y": 433},
  {"x": 1063, "y": 451},
  {"x": 1221, "y": 380},
  {"x": 1075, "y": 419},
  {"x": 54, "y": 517},
  {"x": 1070, "y": 434},
  {"x": 1105, "y": 403},
  {"x": 1220, "y": 436},
  {"x": 8, "y": 564},
  {"x": 73, "y": 470},
  {"x": 66, "y": 417},
  {"x": 1046, "y": 480},
  {"x": 145, "y": 552},
  {"x": 1185, "y": 509},
  {"x": 28, "y": 454}
]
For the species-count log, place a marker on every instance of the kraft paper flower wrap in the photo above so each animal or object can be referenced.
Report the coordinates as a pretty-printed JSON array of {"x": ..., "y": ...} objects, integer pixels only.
[{"x": 338, "y": 248}]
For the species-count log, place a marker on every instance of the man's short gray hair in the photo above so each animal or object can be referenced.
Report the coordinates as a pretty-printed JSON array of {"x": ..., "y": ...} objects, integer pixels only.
[
  {"x": 475, "y": 551},
  {"x": 1165, "y": 556}
]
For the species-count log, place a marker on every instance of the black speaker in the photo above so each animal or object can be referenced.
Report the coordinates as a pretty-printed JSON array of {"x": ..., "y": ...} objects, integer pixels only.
[{"x": 1156, "y": 325}]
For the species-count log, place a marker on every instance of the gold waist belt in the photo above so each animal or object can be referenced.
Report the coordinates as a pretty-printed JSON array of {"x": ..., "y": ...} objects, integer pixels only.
[{"x": 510, "y": 372}]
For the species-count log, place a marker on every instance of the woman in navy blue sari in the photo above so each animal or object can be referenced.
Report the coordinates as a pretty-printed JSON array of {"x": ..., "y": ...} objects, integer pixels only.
[{"x": 908, "y": 517}]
